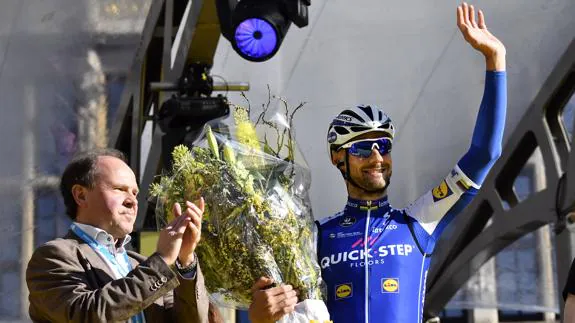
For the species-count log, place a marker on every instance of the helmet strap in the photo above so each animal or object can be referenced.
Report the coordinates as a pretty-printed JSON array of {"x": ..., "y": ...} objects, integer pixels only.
[{"x": 347, "y": 173}]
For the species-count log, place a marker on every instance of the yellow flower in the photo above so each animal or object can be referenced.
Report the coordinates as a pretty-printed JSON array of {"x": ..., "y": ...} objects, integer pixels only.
[
  {"x": 245, "y": 130},
  {"x": 247, "y": 136}
]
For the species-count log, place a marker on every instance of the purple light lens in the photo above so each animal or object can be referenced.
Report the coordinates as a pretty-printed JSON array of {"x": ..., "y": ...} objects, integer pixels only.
[{"x": 256, "y": 38}]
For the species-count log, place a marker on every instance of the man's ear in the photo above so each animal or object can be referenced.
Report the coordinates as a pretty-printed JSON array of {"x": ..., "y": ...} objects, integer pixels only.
[{"x": 79, "y": 193}]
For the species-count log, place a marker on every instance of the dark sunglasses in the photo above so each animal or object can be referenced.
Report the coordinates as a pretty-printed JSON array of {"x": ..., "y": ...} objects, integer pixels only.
[{"x": 363, "y": 148}]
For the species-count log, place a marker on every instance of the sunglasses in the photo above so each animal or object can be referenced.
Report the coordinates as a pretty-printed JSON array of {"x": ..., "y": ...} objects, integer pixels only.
[{"x": 363, "y": 148}]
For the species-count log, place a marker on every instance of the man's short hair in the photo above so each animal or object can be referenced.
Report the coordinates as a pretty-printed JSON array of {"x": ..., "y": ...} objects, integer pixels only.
[{"x": 82, "y": 171}]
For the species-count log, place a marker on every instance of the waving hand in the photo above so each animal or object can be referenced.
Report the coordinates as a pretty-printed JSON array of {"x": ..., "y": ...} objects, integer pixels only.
[{"x": 476, "y": 34}]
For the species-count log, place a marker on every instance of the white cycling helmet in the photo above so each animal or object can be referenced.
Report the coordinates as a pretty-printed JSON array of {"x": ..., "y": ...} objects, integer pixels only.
[{"x": 357, "y": 121}]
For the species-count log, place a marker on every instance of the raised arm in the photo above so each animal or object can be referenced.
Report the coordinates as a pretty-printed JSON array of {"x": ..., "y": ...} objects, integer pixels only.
[
  {"x": 435, "y": 209},
  {"x": 485, "y": 146}
]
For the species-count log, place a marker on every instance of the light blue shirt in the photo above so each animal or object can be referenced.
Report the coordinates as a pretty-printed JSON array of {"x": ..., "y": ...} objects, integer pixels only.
[{"x": 106, "y": 240}]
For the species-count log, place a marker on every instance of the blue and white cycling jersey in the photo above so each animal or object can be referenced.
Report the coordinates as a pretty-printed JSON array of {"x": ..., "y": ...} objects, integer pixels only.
[{"x": 374, "y": 258}]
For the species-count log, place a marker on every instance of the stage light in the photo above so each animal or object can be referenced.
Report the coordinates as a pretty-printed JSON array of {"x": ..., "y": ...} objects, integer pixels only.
[
  {"x": 256, "y": 39},
  {"x": 256, "y": 28},
  {"x": 182, "y": 117}
]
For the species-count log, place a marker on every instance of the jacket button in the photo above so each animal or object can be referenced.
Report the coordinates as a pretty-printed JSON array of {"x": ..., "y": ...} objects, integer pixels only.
[{"x": 164, "y": 279}]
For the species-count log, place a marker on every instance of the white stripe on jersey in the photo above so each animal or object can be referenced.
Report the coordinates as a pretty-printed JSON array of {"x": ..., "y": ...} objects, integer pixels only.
[{"x": 432, "y": 206}]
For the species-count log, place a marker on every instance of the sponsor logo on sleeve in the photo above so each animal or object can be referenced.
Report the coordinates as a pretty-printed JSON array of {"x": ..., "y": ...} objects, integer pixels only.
[
  {"x": 463, "y": 184},
  {"x": 441, "y": 191},
  {"x": 390, "y": 285},
  {"x": 460, "y": 180},
  {"x": 343, "y": 291}
]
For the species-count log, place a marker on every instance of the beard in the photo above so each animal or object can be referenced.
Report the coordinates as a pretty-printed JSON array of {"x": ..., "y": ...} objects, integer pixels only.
[{"x": 374, "y": 187}]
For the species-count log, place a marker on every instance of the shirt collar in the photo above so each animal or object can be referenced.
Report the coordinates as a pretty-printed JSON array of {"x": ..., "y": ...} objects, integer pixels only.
[{"x": 101, "y": 236}]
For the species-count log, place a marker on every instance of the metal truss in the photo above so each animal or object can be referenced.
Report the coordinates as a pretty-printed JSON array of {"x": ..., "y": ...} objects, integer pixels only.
[
  {"x": 496, "y": 217},
  {"x": 176, "y": 33}
]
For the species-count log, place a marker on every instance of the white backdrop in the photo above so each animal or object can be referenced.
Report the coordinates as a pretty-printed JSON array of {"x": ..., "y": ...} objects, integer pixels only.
[{"x": 409, "y": 58}]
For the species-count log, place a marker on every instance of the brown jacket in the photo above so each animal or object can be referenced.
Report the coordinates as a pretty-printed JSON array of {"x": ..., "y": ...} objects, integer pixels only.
[{"x": 69, "y": 282}]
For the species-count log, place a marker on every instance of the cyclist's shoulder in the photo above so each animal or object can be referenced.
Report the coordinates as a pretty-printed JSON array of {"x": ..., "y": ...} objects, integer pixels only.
[
  {"x": 398, "y": 216},
  {"x": 330, "y": 219},
  {"x": 388, "y": 213}
]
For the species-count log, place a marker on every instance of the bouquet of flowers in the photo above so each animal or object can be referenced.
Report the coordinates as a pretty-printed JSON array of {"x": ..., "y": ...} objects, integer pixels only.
[{"x": 257, "y": 219}]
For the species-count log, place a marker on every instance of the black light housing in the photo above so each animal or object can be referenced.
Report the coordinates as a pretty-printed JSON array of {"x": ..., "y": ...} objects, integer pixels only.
[
  {"x": 256, "y": 28},
  {"x": 182, "y": 117}
]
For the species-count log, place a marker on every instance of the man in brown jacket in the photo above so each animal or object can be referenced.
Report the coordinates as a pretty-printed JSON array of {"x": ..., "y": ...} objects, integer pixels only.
[{"x": 88, "y": 276}]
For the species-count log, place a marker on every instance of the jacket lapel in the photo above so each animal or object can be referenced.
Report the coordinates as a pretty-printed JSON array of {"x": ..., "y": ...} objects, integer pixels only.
[{"x": 97, "y": 265}]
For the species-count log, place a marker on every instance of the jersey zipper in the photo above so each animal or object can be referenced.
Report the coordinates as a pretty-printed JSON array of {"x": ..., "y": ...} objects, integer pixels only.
[
  {"x": 419, "y": 300},
  {"x": 366, "y": 259}
]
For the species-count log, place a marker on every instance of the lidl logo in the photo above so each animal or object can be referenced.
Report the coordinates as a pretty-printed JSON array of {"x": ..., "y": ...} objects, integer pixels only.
[
  {"x": 390, "y": 285},
  {"x": 440, "y": 192},
  {"x": 343, "y": 291}
]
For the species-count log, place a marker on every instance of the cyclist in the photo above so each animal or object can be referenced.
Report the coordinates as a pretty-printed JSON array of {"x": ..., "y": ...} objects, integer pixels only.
[{"x": 374, "y": 258}]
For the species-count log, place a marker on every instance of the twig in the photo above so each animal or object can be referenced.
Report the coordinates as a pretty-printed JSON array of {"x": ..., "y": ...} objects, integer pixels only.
[{"x": 249, "y": 109}]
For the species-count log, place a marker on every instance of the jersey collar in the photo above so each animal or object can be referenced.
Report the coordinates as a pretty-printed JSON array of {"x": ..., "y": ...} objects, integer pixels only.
[{"x": 365, "y": 205}]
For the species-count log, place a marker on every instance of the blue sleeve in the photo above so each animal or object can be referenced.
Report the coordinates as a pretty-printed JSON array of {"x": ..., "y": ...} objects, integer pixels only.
[{"x": 488, "y": 133}]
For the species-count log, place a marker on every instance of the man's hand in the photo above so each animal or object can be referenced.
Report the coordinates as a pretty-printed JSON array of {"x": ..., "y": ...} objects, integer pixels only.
[
  {"x": 193, "y": 231},
  {"x": 171, "y": 240},
  {"x": 477, "y": 35},
  {"x": 271, "y": 304}
]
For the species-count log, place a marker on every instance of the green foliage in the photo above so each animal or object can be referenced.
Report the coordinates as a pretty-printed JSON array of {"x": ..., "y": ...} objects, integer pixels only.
[{"x": 256, "y": 223}]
